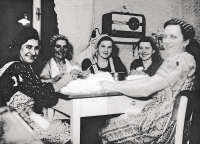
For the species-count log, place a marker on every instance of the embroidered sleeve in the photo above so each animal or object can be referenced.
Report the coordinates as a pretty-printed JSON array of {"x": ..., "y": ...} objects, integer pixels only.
[{"x": 21, "y": 78}]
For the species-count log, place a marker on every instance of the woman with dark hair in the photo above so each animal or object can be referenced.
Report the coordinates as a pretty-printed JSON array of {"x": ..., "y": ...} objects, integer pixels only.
[
  {"x": 60, "y": 61},
  {"x": 105, "y": 58},
  {"x": 154, "y": 124},
  {"x": 23, "y": 91},
  {"x": 149, "y": 57}
]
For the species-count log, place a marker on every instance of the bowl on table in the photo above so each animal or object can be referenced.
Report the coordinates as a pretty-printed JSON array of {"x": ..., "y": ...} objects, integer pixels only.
[{"x": 119, "y": 76}]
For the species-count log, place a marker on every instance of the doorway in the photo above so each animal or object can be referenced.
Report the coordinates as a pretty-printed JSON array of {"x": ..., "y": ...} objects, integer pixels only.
[{"x": 10, "y": 12}]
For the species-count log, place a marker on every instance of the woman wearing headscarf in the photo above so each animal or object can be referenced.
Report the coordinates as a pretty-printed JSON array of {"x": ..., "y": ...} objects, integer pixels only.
[
  {"x": 105, "y": 58},
  {"x": 154, "y": 124},
  {"x": 60, "y": 61}
]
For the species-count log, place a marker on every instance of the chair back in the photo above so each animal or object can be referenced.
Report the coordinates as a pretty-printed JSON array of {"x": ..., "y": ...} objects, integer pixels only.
[{"x": 179, "y": 113}]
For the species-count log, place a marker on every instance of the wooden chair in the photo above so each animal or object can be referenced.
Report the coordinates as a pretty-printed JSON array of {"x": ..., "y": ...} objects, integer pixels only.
[{"x": 179, "y": 113}]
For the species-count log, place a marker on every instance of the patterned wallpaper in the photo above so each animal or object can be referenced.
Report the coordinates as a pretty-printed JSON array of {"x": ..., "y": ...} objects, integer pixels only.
[{"x": 156, "y": 12}]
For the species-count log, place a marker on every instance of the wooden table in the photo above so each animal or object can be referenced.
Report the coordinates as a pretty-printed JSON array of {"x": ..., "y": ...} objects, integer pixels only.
[{"x": 95, "y": 104}]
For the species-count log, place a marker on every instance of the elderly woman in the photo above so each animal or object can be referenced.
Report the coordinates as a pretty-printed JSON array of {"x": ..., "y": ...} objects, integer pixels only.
[
  {"x": 149, "y": 58},
  {"x": 154, "y": 124},
  {"x": 21, "y": 88},
  {"x": 105, "y": 58},
  {"x": 60, "y": 62}
]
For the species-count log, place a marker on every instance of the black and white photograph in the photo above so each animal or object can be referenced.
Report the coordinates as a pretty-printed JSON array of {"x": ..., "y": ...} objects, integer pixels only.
[{"x": 99, "y": 71}]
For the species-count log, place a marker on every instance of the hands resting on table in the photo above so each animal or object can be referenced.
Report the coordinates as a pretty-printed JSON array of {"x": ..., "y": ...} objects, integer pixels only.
[
  {"x": 79, "y": 74},
  {"x": 63, "y": 80}
]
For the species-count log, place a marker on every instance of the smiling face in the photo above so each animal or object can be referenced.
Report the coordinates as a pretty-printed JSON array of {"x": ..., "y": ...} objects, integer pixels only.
[
  {"x": 105, "y": 49},
  {"x": 60, "y": 49},
  {"x": 29, "y": 51},
  {"x": 145, "y": 51},
  {"x": 173, "y": 41}
]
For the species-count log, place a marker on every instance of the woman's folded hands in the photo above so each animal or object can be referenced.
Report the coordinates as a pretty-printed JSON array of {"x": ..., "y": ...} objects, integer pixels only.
[{"x": 68, "y": 77}]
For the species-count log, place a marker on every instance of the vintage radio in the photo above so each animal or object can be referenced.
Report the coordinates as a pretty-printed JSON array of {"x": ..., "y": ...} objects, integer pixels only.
[{"x": 124, "y": 25}]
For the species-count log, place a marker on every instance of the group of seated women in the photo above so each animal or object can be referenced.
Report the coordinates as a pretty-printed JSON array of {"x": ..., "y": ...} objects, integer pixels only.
[{"x": 21, "y": 88}]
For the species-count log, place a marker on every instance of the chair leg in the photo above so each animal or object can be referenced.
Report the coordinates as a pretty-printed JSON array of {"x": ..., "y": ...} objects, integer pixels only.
[{"x": 193, "y": 106}]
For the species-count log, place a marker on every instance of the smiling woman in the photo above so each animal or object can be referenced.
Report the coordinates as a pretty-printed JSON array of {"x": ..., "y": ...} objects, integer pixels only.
[
  {"x": 29, "y": 51},
  {"x": 22, "y": 90},
  {"x": 105, "y": 58},
  {"x": 60, "y": 61},
  {"x": 149, "y": 58},
  {"x": 154, "y": 124}
]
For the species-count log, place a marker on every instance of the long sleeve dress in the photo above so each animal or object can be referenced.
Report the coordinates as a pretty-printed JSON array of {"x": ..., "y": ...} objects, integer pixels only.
[
  {"x": 18, "y": 86},
  {"x": 154, "y": 123}
]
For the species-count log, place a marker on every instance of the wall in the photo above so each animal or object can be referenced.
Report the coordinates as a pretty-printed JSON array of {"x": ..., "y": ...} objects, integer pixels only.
[
  {"x": 156, "y": 13},
  {"x": 190, "y": 12},
  {"x": 78, "y": 19},
  {"x": 75, "y": 22}
]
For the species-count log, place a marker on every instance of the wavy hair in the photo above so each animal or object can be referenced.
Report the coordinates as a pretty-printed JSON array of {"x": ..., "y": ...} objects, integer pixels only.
[{"x": 156, "y": 54}]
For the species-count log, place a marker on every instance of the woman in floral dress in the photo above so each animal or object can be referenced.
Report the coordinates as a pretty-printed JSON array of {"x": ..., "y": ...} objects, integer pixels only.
[{"x": 154, "y": 124}]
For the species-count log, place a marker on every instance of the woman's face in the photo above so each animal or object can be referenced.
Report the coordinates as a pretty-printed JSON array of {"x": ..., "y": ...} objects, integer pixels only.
[
  {"x": 145, "y": 51},
  {"x": 105, "y": 49},
  {"x": 60, "y": 49},
  {"x": 29, "y": 51},
  {"x": 173, "y": 41}
]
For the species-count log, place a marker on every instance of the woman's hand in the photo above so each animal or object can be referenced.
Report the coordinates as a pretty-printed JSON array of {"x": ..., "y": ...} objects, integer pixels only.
[
  {"x": 138, "y": 71},
  {"x": 84, "y": 74},
  {"x": 67, "y": 77},
  {"x": 75, "y": 73},
  {"x": 57, "y": 78},
  {"x": 47, "y": 79}
]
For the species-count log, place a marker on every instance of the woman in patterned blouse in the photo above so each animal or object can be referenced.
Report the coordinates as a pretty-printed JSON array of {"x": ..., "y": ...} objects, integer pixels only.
[
  {"x": 154, "y": 124},
  {"x": 21, "y": 88}
]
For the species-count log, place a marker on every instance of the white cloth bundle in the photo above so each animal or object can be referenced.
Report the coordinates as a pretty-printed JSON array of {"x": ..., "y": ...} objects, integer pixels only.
[{"x": 89, "y": 85}]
